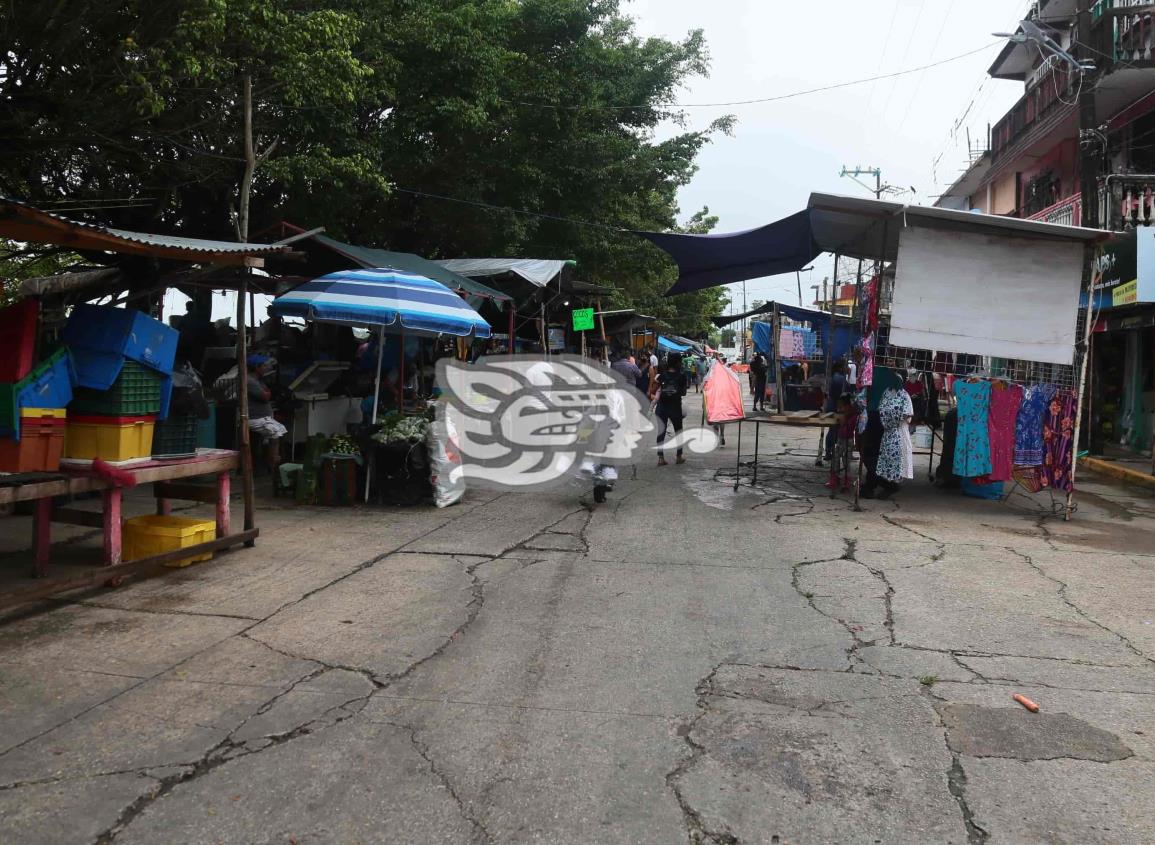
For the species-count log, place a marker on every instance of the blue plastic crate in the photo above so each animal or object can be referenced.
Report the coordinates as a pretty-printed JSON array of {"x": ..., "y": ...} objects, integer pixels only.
[
  {"x": 49, "y": 385},
  {"x": 118, "y": 332}
]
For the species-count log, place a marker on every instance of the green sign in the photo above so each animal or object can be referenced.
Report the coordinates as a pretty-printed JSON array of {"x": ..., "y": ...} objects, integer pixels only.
[{"x": 583, "y": 319}]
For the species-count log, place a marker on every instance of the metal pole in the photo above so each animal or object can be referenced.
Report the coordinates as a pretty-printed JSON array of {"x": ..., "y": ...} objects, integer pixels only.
[
  {"x": 377, "y": 383},
  {"x": 511, "y": 326},
  {"x": 780, "y": 387},
  {"x": 373, "y": 420}
]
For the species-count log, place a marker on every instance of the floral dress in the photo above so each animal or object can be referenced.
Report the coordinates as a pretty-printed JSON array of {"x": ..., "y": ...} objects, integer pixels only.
[
  {"x": 972, "y": 448},
  {"x": 1005, "y": 402},
  {"x": 892, "y": 412},
  {"x": 1058, "y": 441}
]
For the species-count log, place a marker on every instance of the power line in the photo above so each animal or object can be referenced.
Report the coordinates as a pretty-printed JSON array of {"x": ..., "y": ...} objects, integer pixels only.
[
  {"x": 882, "y": 58},
  {"x": 918, "y": 85},
  {"x": 773, "y": 99},
  {"x": 906, "y": 52}
]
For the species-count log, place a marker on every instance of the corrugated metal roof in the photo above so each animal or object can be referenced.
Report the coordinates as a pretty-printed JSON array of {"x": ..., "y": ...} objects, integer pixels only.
[
  {"x": 21, "y": 221},
  {"x": 368, "y": 257}
]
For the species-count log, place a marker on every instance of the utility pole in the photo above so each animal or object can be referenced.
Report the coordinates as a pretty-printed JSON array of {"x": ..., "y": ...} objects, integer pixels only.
[
  {"x": 876, "y": 172},
  {"x": 1090, "y": 144}
]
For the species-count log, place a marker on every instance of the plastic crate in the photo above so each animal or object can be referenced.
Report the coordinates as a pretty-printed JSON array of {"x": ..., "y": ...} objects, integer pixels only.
[
  {"x": 49, "y": 385},
  {"x": 119, "y": 332},
  {"x": 18, "y": 328},
  {"x": 39, "y": 450},
  {"x": 135, "y": 393},
  {"x": 207, "y": 429},
  {"x": 175, "y": 437},
  {"x": 112, "y": 439},
  {"x": 145, "y": 536}
]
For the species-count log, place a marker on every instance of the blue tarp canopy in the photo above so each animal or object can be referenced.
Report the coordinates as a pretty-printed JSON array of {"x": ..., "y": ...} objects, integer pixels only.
[
  {"x": 849, "y": 226},
  {"x": 668, "y": 344}
]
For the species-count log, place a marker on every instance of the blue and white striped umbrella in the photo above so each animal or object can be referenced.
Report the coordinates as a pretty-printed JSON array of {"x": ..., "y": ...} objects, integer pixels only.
[{"x": 383, "y": 297}]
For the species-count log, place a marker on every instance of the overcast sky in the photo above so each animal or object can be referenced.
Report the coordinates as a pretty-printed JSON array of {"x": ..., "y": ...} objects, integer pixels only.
[{"x": 782, "y": 151}]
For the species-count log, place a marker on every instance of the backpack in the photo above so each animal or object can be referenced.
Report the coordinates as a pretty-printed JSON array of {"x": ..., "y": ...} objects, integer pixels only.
[{"x": 671, "y": 387}]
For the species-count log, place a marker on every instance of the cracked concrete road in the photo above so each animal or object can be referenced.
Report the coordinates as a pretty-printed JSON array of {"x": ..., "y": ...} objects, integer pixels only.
[{"x": 684, "y": 663}]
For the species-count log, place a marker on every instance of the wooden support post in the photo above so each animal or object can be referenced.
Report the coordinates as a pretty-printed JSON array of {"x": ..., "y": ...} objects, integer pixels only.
[
  {"x": 112, "y": 526},
  {"x": 224, "y": 517},
  {"x": 512, "y": 328},
  {"x": 163, "y": 506},
  {"x": 243, "y": 435},
  {"x": 42, "y": 536}
]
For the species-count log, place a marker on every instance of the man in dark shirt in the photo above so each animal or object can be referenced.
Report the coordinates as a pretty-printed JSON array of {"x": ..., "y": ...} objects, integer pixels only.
[
  {"x": 625, "y": 365},
  {"x": 758, "y": 370}
]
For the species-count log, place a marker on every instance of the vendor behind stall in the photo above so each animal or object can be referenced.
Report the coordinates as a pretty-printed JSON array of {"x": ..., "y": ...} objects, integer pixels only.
[{"x": 261, "y": 420}]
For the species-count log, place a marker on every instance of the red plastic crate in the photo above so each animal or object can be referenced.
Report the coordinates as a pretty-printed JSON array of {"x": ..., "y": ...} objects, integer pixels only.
[
  {"x": 18, "y": 328},
  {"x": 39, "y": 449}
]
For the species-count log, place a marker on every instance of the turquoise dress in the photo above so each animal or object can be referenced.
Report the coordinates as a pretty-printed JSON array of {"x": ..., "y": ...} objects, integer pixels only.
[{"x": 972, "y": 448}]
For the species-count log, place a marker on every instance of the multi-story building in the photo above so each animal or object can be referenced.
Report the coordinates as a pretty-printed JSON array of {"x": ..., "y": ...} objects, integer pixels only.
[{"x": 1078, "y": 148}]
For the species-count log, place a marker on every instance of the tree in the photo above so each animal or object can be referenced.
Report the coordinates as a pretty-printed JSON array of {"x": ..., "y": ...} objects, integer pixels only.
[{"x": 132, "y": 110}]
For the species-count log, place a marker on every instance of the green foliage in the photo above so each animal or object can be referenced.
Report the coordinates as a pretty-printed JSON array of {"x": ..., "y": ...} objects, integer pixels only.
[{"x": 513, "y": 103}]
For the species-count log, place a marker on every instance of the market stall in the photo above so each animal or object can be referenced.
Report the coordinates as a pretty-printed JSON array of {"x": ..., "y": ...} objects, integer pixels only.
[
  {"x": 993, "y": 303},
  {"x": 390, "y": 301},
  {"x": 91, "y": 403}
]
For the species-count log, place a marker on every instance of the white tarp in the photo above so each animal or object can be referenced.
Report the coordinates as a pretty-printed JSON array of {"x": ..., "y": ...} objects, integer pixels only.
[
  {"x": 995, "y": 295},
  {"x": 538, "y": 271}
]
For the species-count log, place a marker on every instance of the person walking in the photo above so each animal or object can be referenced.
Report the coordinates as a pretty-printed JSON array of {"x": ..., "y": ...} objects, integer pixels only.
[
  {"x": 838, "y": 386},
  {"x": 669, "y": 388},
  {"x": 758, "y": 370}
]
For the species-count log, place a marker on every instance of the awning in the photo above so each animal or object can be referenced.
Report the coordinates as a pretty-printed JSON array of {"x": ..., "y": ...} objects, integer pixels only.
[
  {"x": 792, "y": 311},
  {"x": 537, "y": 271},
  {"x": 22, "y": 222},
  {"x": 849, "y": 226},
  {"x": 670, "y": 345},
  {"x": 369, "y": 257}
]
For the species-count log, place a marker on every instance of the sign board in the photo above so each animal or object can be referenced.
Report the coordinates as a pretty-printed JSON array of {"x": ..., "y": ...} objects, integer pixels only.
[
  {"x": 1127, "y": 268},
  {"x": 556, "y": 339},
  {"x": 583, "y": 319}
]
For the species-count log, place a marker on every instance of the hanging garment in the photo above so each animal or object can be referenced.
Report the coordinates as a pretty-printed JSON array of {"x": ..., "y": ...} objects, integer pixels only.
[
  {"x": 1059, "y": 441},
  {"x": 1029, "y": 425},
  {"x": 972, "y": 448},
  {"x": 892, "y": 410},
  {"x": 866, "y": 368},
  {"x": 904, "y": 436},
  {"x": 1005, "y": 402}
]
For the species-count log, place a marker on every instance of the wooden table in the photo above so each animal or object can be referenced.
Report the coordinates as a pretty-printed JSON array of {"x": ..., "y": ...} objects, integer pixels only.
[{"x": 168, "y": 478}]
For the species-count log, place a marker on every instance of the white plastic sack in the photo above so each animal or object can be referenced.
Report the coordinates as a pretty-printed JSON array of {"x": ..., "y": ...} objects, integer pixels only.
[{"x": 444, "y": 461}]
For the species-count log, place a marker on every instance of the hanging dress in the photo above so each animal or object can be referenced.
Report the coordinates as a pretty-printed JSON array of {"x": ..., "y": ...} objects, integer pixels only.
[
  {"x": 891, "y": 412},
  {"x": 1005, "y": 402},
  {"x": 904, "y": 436},
  {"x": 1029, "y": 425},
  {"x": 1058, "y": 441},
  {"x": 972, "y": 448}
]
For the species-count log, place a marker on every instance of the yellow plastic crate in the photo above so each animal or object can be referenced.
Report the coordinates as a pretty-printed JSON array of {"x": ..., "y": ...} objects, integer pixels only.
[
  {"x": 118, "y": 440},
  {"x": 44, "y": 413},
  {"x": 145, "y": 536}
]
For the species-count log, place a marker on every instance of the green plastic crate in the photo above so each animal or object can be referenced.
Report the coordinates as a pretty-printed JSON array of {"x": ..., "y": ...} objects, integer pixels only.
[
  {"x": 135, "y": 393},
  {"x": 175, "y": 437}
]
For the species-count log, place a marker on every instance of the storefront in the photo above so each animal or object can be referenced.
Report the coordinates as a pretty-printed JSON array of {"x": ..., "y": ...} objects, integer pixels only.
[{"x": 1122, "y": 378}]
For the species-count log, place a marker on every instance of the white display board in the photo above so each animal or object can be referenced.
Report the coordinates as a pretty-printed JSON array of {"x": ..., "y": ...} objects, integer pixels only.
[{"x": 993, "y": 295}]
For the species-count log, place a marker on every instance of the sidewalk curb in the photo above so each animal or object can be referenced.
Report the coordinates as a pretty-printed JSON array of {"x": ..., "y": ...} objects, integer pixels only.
[{"x": 1121, "y": 473}]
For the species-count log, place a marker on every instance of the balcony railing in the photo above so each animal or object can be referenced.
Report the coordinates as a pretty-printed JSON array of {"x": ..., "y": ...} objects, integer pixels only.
[
  {"x": 1125, "y": 37},
  {"x": 1127, "y": 201},
  {"x": 1054, "y": 91},
  {"x": 1067, "y": 212}
]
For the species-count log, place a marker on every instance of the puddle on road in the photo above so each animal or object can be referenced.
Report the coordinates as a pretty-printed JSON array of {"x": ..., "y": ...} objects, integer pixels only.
[{"x": 718, "y": 492}]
